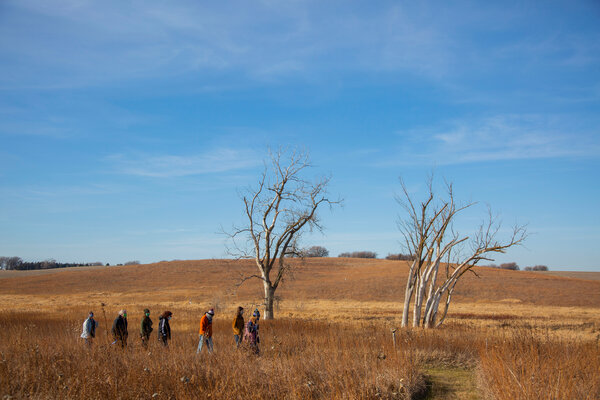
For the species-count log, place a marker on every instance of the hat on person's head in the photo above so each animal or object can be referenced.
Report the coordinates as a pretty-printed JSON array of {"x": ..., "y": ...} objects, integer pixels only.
[
  {"x": 211, "y": 311},
  {"x": 91, "y": 313},
  {"x": 146, "y": 311},
  {"x": 122, "y": 313}
]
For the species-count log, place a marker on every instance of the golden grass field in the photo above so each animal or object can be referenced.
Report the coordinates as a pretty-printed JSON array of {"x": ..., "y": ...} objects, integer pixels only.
[{"x": 509, "y": 335}]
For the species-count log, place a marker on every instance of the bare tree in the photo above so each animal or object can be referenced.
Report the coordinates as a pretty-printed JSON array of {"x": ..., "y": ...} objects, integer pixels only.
[
  {"x": 358, "y": 254},
  {"x": 537, "y": 268},
  {"x": 510, "y": 265},
  {"x": 278, "y": 210},
  {"x": 431, "y": 241},
  {"x": 10, "y": 263},
  {"x": 315, "y": 251}
]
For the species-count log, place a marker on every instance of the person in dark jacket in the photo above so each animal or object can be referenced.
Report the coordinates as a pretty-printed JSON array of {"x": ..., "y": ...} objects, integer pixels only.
[
  {"x": 119, "y": 329},
  {"x": 238, "y": 326},
  {"x": 146, "y": 328},
  {"x": 251, "y": 332},
  {"x": 164, "y": 329}
]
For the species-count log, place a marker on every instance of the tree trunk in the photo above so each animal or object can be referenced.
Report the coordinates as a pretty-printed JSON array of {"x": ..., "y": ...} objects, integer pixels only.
[
  {"x": 408, "y": 293},
  {"x": 418, "y": 302},
  {"x": 269, "y": 297},
  {"x": 431, "y": 313},
  {"x": 430, "y": 296},
  {"x": 407, "y": 296}
]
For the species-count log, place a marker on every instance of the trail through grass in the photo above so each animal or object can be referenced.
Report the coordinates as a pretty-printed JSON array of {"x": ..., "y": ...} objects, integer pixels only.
[{"x": 449, "y": 383}]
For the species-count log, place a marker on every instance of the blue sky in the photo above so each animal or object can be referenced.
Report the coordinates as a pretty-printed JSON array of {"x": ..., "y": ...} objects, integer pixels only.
[{"x": 127, "y": 128}]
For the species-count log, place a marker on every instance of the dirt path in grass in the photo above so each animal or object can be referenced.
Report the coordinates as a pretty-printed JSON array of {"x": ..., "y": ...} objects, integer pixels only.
[{"x": 451, "y": 383}]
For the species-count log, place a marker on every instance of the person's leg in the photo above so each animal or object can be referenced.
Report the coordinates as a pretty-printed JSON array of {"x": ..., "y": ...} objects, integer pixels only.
[
  {"x": 209, "y": 344},
  {"x": 200, "y": 343},
  {"x": 236, "y": 338}
]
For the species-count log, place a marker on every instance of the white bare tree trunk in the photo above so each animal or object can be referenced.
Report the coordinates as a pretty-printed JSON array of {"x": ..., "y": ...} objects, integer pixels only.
[
  {"x": 418, "y": 301},
  {"x": 408, "y": 293},
  {"x": 430, "y": 296}
]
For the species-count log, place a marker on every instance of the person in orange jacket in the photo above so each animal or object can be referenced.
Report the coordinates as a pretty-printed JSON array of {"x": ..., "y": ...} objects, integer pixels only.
[{"x": 206, "y": 331}]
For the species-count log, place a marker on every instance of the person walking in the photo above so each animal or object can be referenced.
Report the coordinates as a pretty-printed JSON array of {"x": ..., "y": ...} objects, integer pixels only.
[
  {"x": 251, "y": 332},
  {"x": 164, "y": 329},
  {"x": 256, "y": 314},
  {"x": 238, "y": 326},
  {"x": 89, "y": 329},
  {"x": 119, "y": 329},
  {"x": 146, "y": 328},
  {"x": 206, "y": 331}
]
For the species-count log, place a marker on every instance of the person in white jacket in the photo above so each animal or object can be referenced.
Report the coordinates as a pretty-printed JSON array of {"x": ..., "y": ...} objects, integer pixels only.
[{"x": 89, "y": 329}]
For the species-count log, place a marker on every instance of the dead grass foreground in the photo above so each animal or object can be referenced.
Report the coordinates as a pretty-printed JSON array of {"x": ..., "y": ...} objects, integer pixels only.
[{"x": 42, "y": 357}]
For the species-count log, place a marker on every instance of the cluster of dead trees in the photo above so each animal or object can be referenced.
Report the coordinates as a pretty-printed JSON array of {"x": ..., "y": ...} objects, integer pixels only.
[
  {"x": 400, "y": 257},
  {"x": 315, "y": 251},
  {"x": 320, "y": 251},
  {"x": 358, "y": 254},
  {"x": 536, "y": 268},
  {"x": 284, "y": 204},
  {"x": 513, "y": 266}
]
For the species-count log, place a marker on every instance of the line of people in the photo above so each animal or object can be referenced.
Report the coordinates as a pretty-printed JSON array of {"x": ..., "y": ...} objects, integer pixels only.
[{"x": 242, "y": 332}]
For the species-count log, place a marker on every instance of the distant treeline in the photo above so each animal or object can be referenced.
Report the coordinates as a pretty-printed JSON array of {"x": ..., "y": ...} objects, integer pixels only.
[
  {"x": 16, "y": 263},
  {"x": 514, "y": 267},
  {"x": 400, "y": 256},
  {"x": 359, "y": 254}
]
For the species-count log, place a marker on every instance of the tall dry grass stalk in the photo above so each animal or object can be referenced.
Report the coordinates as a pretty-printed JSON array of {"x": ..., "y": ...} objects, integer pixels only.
[
  {"x": 526, "y": 365},
  {"x": 42, "y": 356}
]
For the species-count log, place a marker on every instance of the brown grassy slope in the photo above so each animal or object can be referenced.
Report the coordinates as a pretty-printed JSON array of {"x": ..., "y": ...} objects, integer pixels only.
[
  {"x": 34, "y": 272},
  {"x": 326, "y": 278},
  {"x": 589, "y": 275}
]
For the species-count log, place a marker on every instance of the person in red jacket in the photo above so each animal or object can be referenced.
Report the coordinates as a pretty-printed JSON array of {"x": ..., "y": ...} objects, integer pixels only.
[{"x": 206, "y": 331}]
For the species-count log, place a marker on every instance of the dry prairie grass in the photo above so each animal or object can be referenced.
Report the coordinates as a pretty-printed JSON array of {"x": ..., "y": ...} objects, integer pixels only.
[
  {"x": 588, "y": 275},
  {"x": 529, "y": 366},
  {"x": 334, "y": 320},
  {"x": 43, "y": 358}
]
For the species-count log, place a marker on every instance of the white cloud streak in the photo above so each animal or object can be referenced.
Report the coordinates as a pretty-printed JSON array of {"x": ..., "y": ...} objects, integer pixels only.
[
  {"x": 501, "y": 137},
  {"x": 86, "y": 43},
  {"x": 165, "y": 166}
]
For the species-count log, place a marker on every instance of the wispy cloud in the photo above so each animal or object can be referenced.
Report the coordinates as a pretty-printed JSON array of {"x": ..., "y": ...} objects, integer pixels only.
[
  {"x": 165, "y": 166},
  {"x": 263, "y": 42},
  {"x": 501, "y": 137},
  {"x": 269, "y": 41},
  {"x": 46, "y": 192}
]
